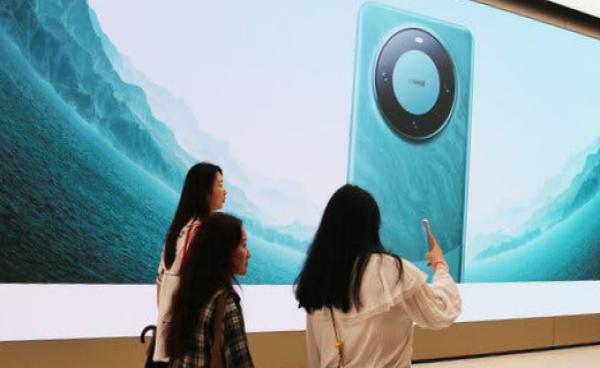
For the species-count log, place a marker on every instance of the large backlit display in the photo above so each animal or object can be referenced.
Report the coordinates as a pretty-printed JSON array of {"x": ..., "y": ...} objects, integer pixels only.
[{"x": 484, "y": 122}]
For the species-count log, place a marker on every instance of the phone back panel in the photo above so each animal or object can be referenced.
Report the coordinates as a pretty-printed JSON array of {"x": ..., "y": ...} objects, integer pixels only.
[{"x": 412, "y": 179}]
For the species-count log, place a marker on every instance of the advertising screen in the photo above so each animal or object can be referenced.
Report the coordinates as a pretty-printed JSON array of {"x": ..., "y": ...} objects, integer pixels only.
[{"x": 483, "y": 122}]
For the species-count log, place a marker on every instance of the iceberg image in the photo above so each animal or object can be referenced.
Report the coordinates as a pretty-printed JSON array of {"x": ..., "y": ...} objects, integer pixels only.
[
  {"x": 94, "y": 154},
  {"x": 559, "y": 241}
]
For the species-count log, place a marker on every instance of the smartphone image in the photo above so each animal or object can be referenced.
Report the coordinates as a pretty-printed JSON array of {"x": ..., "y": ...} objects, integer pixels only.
[
  {"x": 410, "y": 126},
  {"x": 426, "y": 233}
]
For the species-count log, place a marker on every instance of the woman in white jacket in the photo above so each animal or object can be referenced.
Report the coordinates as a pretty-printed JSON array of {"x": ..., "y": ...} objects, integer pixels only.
[
  {"x": 362, "y": 301},
  {"x": 203, "y": 193}
]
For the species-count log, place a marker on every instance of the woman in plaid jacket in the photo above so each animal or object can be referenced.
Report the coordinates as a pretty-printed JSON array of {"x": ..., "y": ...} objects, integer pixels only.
[{"x": 217, "y": 252}]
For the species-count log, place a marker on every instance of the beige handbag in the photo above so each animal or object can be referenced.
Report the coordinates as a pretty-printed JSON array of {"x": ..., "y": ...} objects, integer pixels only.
[{"x": 339, "y": 344}]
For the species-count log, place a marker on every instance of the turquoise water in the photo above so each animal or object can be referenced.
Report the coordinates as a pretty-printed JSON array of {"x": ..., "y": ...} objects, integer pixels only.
[
  {"x": 73, "y": 208},
  {"x": 567, "y": 251},
  {"x": 90, "y": 177}
]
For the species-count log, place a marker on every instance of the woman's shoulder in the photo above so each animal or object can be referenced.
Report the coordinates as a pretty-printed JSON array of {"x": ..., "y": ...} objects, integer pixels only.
[
  {"x": 184, "y": 237},
  {"x": 386, "y": 281},
  {"x": 393, "y": 276},
  {"x": 387, "y": 262},
  {"x": 384, "y": 259},
  {"x": 232, "y": 297},
  {"x": 192, "y": 224},
  {"x": 230, "y": 303},
  {"x": 228, "y": 295}
]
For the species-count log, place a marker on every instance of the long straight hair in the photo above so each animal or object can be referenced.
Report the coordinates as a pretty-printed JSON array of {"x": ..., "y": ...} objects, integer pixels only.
[
  {"x": 209, "y": 268},
  {"x": 346, "y": 238},
  {"x": 193, "y": 203}
]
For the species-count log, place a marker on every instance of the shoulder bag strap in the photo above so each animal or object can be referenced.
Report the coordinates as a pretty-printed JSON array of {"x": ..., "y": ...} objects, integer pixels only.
[
  {"x": 191, "y": 231},
  {"x": 217, "y": 354},
  {"x": 339, "y": 344}
]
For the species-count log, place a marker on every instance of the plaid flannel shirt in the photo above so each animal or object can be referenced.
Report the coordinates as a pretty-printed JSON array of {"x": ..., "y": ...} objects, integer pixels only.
[{"x": 235, "y": 343}]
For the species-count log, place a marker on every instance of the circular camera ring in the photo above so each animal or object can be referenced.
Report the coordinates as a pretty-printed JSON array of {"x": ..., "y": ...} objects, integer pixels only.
[{"x": 414, "y": 125}]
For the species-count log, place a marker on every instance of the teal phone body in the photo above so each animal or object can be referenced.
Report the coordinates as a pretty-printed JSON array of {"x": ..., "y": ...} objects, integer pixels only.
[{"x": 409, "y": 141}]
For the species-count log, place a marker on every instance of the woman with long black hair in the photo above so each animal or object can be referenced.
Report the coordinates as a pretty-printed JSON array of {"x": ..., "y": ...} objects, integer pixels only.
[
  {"x": 207, "y": 324},
  {"x": 203, "y": 193},
  {"x": 362, "y": 301}
]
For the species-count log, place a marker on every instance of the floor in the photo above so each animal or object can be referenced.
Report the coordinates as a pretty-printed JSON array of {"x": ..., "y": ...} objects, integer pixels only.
[{"x": 579, "y": 357}]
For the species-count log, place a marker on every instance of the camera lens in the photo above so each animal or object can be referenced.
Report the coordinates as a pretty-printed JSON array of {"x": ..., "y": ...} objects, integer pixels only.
[{"x": 414, "y": 83}]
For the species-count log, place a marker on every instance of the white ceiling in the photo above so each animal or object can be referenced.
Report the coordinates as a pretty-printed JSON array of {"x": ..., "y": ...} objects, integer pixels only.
[{"x": 591, "y": 7}]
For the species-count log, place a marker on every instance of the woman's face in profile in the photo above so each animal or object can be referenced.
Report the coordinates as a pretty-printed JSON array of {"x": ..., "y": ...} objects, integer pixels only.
[
  {"x": 218, "y": 193},
  {"x": 241, "y": 256}
]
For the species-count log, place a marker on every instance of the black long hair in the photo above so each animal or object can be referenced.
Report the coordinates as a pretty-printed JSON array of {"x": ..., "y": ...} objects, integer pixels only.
[
  {"x": 193, "y": 203},
  {"x": 347, "y": 236},
  {"x": 209, "y": 267}
]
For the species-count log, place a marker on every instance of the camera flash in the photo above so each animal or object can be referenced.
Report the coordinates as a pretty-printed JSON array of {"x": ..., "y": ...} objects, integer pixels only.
[{"x": 418, "y": 40}]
